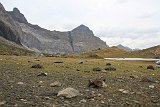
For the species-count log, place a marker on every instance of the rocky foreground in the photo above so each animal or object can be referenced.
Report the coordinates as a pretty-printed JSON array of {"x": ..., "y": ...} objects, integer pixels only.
[{"x": 68, "y": 82}]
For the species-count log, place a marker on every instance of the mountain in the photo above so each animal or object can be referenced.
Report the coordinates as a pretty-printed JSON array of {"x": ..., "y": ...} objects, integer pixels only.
[
  {"x": 124, "y": 47},
  {"x": 9, "y": 29},
  {"x": 115, "y": 52},
  {"x": 15, "y": 27},
  {"x": 11, "y": 48}
]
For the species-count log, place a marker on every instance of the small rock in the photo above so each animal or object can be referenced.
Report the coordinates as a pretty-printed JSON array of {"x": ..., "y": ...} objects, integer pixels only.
[
  {"x": 40, "y": 82},
  {"x": 124, "y": 91},
  {"x": 97, "y": 83},
  {"x": 42, "y": 74},
  {"x": 121, "y": 90},
  {"x": 20, "y": 83},
  {"x": 2, "y": 103},
  {"x": 83, "y": 101},
  {"x": 150, "y": 67},
  {"x": 151, "y": 86},
  {"x": 97, "y": 69},
  {"x": 55, "y": 84},
  {"x": 102, "y": 102},
  {"x": 108, "y": 64},
  {"x": 58, "y": 62},
  {"x": 110, "y": 68},
  {"x": 69, "y": 93},
  {"x": 133, "y": 76},
  {"x": 155, "y": 99},
  {"x": 153, "y": 80},
  {"x": 37, "y": 66},
  {"x": 80, "y": 63}
]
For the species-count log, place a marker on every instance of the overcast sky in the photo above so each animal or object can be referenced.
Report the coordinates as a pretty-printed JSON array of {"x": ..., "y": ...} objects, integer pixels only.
[{"x": 133, "y": 23}]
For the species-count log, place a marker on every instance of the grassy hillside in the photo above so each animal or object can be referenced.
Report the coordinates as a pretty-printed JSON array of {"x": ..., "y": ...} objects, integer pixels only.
[
  {"x": 7, "y": 49},
  {"x": 113, "y": 52}
]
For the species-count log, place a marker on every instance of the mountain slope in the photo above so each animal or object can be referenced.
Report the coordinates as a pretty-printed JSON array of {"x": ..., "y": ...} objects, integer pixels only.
[
  {"x": 10, "y": 48},
  {"x": 9, "y": 29},
  {"x": 38, "y": 39},
  {"x": 114, "y": 52},
  {"x": 124, "y": 47}
]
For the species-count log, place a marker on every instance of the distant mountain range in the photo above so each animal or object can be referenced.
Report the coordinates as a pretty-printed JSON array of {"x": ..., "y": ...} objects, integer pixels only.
[
  {"x": 14, "y": 27},
  {"x": 126, "y": 48}
]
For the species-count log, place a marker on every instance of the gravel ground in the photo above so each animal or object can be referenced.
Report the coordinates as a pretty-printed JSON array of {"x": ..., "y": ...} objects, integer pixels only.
[{"x": 131, "y": 85}]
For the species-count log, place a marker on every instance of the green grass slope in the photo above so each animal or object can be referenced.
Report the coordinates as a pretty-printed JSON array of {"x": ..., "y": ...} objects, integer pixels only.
[
  {"x": 114, "y": 52},
  {"x": 8, "y": 49}
]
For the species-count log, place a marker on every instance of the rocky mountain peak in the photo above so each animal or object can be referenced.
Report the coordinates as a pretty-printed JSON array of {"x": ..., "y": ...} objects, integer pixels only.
[
  {"x": 16, "y": 11},
  {"x": 83, "y": 30},
  {"x": 1, "y": 8},
  {"x": 124, "y": 47},
  {"x": 17, "y": 15}
]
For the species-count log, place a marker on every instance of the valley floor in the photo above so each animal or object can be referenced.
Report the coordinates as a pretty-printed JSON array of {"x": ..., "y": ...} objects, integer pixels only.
[{"x": 126, "y": 87}]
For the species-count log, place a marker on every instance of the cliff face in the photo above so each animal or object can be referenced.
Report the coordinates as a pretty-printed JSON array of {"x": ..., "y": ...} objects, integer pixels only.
[
  {"x": 15, "y": 27},
  {"x": 9, "y": 29}
]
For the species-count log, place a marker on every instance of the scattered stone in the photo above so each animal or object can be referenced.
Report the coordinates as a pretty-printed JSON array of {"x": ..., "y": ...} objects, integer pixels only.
[
  {"x": 155, "y": 99},
  {"x": 151, "y": 86},
  {"x": 133, "y": 76},
  {"x": 124, "y": 91},
  {"x": 83, "y": 101},
  {"x": 55, "y": 84},
  {"x": 42, "y": 74},
  {"x": 102, "y": 102},
  {"x": 80, "y": 62},
  {"x": 58, "y": 62},
  {"x": 24, "y": 100},
  {"x": 150, "y": 67},
  {"x": 2, "y": 103},
  {"x": 68, "y": 93},
  {"x": 40, "y": 82},
  {"x": 20, "y": 83},
  {"x": 97, "y": 69},
  {"x": 97, "y": 83},
  {"x": 158, "y": 62},
  {"x": 108, "y": 64},
  {"x": 37, "y": 66},
  {"x": 153, "y": 80},
  {"x": 110, "y": 68}
]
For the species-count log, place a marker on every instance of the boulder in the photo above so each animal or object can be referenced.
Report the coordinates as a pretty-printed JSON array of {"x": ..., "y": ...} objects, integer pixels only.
[
  {"x": 37, "y": 66},
  {"x": 150, "y": 67},
  {"x": 110, "y": 68},
  {"x": 97, "y": 83},
  {"x": 68, "y": 93},
  {"x": 42, "y": 74}
]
